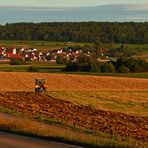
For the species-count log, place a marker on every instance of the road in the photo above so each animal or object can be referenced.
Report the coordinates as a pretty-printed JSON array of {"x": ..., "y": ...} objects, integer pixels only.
[{"x": 8, "y": 140}]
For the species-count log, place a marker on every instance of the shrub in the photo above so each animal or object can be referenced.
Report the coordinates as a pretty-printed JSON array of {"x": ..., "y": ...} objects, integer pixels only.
[
  {"x": 71, "y": 66},
  {"x": 32, "y": 69},
  {"x": 145, "y": 67},
  {"x": 88, "y": 64},
  {"x": 94, "y": 65},
  {"x": 85, "y": 67},
  {"x": 134, "y": 65},
  {"x": 16, "y": 61},
  {"x": 27, "y": 59},
  {"x": 107, "y": 68},
  {"x": 61, "y": 59},
  {"x": 111, "y": 67},
  {"x": 123, "y": 69}
]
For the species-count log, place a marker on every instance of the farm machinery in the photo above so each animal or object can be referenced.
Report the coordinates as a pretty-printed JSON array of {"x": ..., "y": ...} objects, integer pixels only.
[{"x": 40, "y": 85}]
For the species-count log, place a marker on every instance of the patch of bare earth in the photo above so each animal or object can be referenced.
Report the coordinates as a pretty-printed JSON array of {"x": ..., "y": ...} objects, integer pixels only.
[{"x": 81, "y": 116}]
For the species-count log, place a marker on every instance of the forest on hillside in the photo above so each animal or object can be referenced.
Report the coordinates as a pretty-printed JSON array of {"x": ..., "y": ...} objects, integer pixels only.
[{"x": 105, "y": 32}]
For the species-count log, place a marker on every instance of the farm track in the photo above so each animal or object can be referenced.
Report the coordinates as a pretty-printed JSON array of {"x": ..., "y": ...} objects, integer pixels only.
[{"x": 109, "y": 122}]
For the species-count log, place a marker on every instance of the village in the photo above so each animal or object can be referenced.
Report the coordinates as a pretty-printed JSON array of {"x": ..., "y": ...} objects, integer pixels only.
[{"x": 33, "y": 54}]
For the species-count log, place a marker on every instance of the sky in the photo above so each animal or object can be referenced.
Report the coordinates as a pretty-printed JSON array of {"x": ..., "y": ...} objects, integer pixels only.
[
  {"x": 12, "y": 11},
  {"x": 65, "y": 3}
]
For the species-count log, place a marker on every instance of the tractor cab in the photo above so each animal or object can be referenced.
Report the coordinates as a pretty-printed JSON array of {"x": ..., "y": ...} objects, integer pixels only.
[{"x": 40, "y": 85}]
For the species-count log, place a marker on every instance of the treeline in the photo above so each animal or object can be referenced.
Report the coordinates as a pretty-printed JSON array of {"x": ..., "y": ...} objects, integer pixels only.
[
  {"x": 105, "y": 32},
  {"x": 122, "y": 65}
]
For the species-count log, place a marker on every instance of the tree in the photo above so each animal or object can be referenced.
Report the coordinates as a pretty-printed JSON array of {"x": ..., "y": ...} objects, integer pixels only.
[
  {"x": 83, "y": 63},
  {"x": 71, "y": 66},
  {"x": 144, "y": 66},
  {"x": 61, "y": 59},
  {"x": 95, "y": 32},
  {"x": 123, "y": 69},
  {"x": 94, "y": 66},
  {"x": 107, "y": 68},
  {"x": 88, "y": 64},
  {"x": 133, "y": 65},
  {"x": 16, "y": 61},
  {"x": 98, "y": 45}
]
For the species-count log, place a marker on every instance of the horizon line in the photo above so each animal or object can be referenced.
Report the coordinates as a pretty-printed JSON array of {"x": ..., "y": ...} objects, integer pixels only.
[{"x": 118, "y": 4}]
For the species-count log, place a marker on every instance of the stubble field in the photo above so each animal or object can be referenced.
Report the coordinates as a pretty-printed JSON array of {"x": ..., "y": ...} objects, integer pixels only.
[
  {"x": 116, "y": 106},
  {"x": 14, "y": 81}
]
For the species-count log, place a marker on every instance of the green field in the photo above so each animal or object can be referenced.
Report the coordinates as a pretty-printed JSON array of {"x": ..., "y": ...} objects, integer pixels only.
[
  {"x": 47, "y": 67},
  {"x": 129, "y": 46},
  {"x": 40, "y": 45},
  {"x": 48, "y": 45}
]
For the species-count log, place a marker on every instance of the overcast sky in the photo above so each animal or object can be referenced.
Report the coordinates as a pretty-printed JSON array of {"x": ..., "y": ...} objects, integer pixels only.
[
  {"x": 65, "y": 3},
  {"x": 12, "y": 11}
]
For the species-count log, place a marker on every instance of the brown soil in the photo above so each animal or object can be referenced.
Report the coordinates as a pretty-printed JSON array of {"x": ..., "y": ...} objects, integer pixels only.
[{"x": 85, "y": 117}]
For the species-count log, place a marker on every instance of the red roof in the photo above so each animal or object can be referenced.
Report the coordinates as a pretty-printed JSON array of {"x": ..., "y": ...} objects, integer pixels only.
[
  {"x": 104, "y": 50},
  {"x": 11, "y": 56}
]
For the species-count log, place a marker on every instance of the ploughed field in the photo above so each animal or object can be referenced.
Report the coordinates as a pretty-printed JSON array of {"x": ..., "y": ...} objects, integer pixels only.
[
  {"x": 90, "y": 102},
  {"x": 33, "y": 104},
  {"x": 13, "y": 81}
]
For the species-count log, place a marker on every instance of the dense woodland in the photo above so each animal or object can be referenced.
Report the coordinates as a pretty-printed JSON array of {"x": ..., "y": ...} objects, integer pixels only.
[{"x": 105, "y": 32}]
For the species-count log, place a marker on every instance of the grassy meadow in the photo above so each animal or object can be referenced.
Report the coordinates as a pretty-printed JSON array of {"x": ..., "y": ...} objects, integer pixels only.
[
  {"x": 47, "y": 67},
  {"x": 40, "y": 45},
  {"x": 48, "y": 45}
]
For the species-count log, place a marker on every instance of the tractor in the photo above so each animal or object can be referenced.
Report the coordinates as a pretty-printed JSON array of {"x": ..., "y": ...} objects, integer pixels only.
[{"x": 40, "y": 85}]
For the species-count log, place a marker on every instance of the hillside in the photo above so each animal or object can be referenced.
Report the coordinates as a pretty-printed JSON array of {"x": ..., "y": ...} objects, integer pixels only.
[{"x": 64, "y": 82}]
